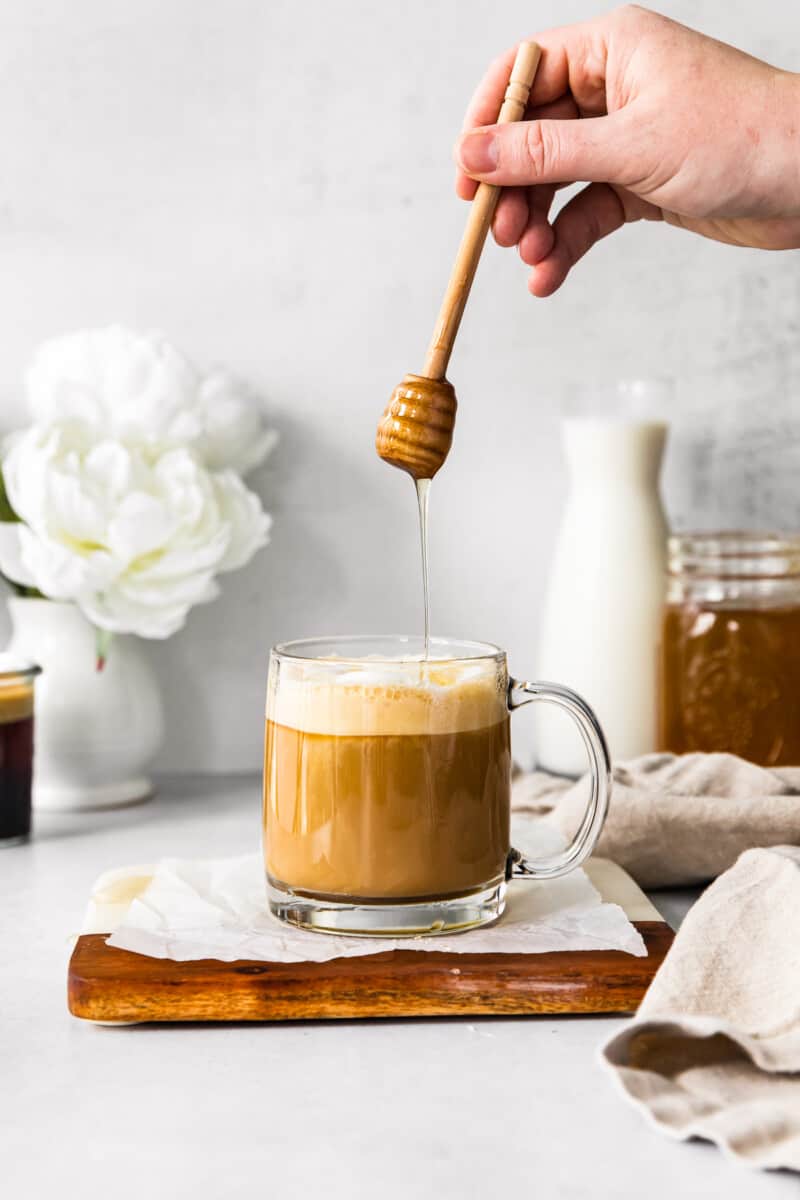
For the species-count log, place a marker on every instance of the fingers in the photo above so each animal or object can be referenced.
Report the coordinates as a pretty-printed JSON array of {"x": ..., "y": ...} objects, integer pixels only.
[
  {"x": 572, "y": 64},
  {"x": 488, "y": 96},
  {"x": 511, "y": 216},
  {"x": 566, "y": 56},
  {"x": 516, "y": 205},
  {"x": 537, "y": 238},
  {"x": 563, "y": 108},
  {"x": 593, "y": 214},
  {"x": 483, "y": 109},
  {"x": 597, "y": 149},
  {"x": 465, "y": 187}
]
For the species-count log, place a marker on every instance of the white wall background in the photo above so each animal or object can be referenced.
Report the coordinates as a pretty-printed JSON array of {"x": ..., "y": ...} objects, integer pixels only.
[{"x": 269, "y": 182}]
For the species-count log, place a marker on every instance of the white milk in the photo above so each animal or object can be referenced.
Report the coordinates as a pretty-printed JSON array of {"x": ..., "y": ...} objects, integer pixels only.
[{"x": 603, "y": 605}]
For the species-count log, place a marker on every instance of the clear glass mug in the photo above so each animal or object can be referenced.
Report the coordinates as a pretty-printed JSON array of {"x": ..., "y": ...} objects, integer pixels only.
[{"x": 387, "y": 784}]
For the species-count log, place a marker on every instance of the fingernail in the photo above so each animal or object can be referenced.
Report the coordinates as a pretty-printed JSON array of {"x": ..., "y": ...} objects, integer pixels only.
[{"x": 477, "y": 153}]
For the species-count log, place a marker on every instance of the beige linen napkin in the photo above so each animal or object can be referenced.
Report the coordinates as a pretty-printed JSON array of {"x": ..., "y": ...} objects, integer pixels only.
[
  {"x": 714, "y": 1050},
  {"x": 678, "y": 820}
]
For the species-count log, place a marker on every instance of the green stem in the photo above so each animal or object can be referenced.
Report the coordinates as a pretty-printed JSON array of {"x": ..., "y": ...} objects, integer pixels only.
[{"x": 102, "y": 642}]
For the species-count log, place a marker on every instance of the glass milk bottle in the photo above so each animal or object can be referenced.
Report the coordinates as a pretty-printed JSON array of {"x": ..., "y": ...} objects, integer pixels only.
[{"x": 605, "y": 590}]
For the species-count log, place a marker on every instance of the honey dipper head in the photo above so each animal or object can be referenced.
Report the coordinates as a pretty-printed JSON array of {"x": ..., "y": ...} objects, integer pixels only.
[{"x": 416, "y": 429}]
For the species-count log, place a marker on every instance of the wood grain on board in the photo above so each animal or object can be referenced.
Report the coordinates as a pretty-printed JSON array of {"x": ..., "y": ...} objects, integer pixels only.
[{"x": 106, "y": 984}]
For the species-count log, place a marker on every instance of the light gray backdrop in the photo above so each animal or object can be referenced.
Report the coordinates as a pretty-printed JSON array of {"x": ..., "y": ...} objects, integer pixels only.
[{"x": 270, "y": 184}]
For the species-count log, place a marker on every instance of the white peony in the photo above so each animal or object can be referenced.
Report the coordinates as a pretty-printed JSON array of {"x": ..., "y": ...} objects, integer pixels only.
[
  {"x": 233, "y": 432},
  {"x": 132, "y": 534},
  {"x": 138, "y": 389}
]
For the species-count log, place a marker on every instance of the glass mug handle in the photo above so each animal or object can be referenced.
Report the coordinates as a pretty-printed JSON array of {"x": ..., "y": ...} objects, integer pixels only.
[{"x": 519, "y": 866}]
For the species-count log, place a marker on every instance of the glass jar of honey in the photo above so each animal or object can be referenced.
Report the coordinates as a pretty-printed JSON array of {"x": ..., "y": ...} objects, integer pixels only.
[{"x": 729, "y": 669}]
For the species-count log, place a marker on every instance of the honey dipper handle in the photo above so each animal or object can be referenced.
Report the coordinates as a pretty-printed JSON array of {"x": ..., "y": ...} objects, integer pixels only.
[{"x": 480, "y": 218}]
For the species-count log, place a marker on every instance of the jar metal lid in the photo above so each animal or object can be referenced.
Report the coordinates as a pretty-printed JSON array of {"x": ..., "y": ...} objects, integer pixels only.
[{"x": 734, "y": 554}]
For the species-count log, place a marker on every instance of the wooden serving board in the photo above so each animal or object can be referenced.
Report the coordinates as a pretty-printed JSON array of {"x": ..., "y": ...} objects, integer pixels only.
[{"x": 116, "y": 986}]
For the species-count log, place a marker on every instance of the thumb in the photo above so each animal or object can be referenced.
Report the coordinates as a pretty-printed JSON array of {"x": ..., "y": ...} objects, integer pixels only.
[{"x": 595, "y": 149}]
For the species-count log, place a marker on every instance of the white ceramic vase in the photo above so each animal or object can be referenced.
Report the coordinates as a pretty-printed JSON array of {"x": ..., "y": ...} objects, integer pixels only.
[{"x": 96, "y": 732}]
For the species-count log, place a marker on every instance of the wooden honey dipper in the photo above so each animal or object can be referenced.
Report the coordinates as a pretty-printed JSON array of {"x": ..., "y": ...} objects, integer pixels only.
[{"x": 416, "y": 429}]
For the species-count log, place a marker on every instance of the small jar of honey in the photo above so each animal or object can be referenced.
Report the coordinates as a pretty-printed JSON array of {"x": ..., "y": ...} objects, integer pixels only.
[{"x": 729, "y": 669}]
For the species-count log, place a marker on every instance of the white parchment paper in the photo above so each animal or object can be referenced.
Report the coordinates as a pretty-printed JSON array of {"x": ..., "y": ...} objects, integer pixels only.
[{"x": 216, "y": 908}]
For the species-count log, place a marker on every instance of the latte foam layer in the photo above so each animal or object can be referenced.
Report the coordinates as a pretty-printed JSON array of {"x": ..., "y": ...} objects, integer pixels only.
[{"x": 378, "y": 699}]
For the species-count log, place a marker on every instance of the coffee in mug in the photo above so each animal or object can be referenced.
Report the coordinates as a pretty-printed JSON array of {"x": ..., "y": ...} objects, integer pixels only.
[{"x": 387, "y": 784}]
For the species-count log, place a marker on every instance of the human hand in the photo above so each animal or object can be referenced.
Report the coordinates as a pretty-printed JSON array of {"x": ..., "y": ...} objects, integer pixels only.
[{"x": 662, "y": 122}]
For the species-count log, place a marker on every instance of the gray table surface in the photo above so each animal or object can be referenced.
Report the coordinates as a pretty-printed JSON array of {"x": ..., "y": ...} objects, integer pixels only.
[{"x": 415, "y": 1109}]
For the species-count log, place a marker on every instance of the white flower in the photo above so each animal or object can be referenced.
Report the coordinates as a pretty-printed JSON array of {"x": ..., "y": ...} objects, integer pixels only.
[
  {"x": 234, "y": 434},
  {"x": 138, "y": 389},
  {"x": 134, "y": 538},
  {"x": 127, "y": 486}
]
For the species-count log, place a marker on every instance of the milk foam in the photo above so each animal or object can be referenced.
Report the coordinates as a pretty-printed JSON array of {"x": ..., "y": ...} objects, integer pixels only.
[{"x": 383, "y": 698}]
